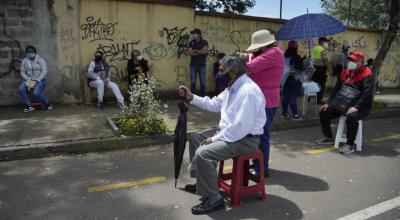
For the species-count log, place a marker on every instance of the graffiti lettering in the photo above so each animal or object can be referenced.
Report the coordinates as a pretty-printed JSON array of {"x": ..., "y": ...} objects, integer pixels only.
[
  {"x": 12, "y": 47},
  {"x": 97, "y": 30},
  {"x": 177, "y": 37},
  {"x": 235, "y": 37},
  {"x": 117, "y": 75},
  {"x": 117, "y": 51},
  {"x": 66, "y": 33},
  {"x": 155, "y": 51},
  {"x": 359, "y": 43},
  {"x": 213, "y": 52},
  {"x": 182, "y": 74}
]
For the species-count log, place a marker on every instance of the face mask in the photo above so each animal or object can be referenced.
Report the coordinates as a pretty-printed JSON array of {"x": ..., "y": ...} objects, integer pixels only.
[
  {"x": 139, "y": 57},
  {"x": 97, "y": 58},
  {"x": 325, "y": 45},
  {"x": 352, "y": 65},
  {"x": 31, "y": 55}
]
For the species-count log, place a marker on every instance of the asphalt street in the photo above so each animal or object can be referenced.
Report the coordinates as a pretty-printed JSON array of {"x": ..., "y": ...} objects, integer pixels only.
[{"x": 307, "y": 182}]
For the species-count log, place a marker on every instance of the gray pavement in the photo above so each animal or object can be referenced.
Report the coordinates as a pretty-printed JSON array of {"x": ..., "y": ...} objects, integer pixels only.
[
  {"x": 304, "y": 183},
  {"x": 83, "y": 128}
]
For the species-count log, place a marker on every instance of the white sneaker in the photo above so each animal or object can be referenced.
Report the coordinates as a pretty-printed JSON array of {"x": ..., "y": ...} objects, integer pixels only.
[
  {"x": 347, "y": 149},
  {"x": 29, "y": 109}
]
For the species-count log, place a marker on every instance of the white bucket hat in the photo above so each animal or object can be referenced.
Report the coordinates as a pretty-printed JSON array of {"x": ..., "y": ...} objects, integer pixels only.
[{"x": 260, "y": 39}]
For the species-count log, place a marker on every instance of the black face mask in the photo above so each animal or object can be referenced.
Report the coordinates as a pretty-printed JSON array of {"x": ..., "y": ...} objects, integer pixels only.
[{"x": 98, "y": 58}]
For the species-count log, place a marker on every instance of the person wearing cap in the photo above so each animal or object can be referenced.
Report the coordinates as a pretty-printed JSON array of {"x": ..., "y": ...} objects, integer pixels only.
[
  {"x": 98, "y": 77},
  {"x": 266, "y": 65},
  {"x": 242, "y": 120},
  {"x": 197, "y": 50},
  {"x": 292, "y": 86},
  {"x": 137, "y": 66},
  {"x": 33, "y": 72},
  {"x": 319, "y": 54},
  {"x": 357, "y": 76}
]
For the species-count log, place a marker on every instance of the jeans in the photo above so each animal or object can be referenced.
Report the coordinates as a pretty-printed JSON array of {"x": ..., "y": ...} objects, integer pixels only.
[
  {"x": 201, "y": 70},
  {"x": 37, "y": 92},
  {"x": 264, "y": 140},
  {"x": 291, "y": 90}
]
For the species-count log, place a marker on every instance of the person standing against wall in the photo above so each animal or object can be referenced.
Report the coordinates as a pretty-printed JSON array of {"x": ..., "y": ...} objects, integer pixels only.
[
  {"x": 266, "y": 70},
  {"x": 33, "y": 73},
  {"x": 319, "y": 54},
  {"x": 198, "y": 50}
]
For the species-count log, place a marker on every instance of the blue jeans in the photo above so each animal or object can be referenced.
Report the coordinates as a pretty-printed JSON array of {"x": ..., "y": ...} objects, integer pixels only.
[
  {"x": 291, "y": 90},
  {"x": 264, "y": 142},
  {"x": 37, "y": 92},
  {"x": 201, "y": 70}
]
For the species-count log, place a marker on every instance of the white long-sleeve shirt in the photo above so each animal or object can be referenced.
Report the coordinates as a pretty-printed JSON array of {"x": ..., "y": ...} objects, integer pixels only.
[{"x": 242, "y": 108}]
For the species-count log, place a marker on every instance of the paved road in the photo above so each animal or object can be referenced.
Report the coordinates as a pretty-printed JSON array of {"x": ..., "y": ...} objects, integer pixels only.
[{"x": 304, "y": 183}]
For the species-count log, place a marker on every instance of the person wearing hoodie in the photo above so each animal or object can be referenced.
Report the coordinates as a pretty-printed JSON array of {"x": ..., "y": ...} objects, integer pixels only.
[
  {"x": 319, "y": 54},
  {"x": 33, "y": 72},
  {"x": 98, "y": 78},
  {"x": 359, "y": 78}
]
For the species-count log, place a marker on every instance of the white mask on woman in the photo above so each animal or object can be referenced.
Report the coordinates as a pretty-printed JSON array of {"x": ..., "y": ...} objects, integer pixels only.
[
  {"x": 352, "y": 65},
  {"x": 139, "y": 57}
]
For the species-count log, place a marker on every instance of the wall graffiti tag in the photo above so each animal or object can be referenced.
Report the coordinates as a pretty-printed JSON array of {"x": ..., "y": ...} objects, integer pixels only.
[
  {"x": 66, "y": 33},
  {"x": 182, "y": 74},
  {"x": 155, "y": 51},
  {"x": 213, "y": 52},
  {"x": 97, "y": 30},
  {"x": 117, "y": 51},
  {"x": 177, "y": 37},
  {"x": 117, "y": 75},
  {"x": 13, "y": 48},
  {"x": 235, "y": 37}
]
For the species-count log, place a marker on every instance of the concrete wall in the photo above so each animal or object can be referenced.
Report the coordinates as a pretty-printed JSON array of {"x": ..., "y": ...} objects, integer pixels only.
[{"x": 68, "y": 32}]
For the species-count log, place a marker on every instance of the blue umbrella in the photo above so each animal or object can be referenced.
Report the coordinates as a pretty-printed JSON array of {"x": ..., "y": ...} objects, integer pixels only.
[{"x": 309, "y": 26}]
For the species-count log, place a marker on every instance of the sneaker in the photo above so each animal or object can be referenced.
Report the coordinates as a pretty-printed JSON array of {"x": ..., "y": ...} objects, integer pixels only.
[
  {"x": 297, "y": 118},
  {"x": 50, "y": 107},
  {"x": 121, "y": 105},
  {"x": 100, "y": 105},
  {"x": 347, "y": 149},
  {"x": 29, "y": 109},
  {"x": 324, "y": 141},
  {"x": 285, "y": 115}
]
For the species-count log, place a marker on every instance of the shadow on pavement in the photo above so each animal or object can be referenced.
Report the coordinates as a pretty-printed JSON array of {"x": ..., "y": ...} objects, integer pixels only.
[
  {"x": 296, "y": 182},
  {"x": 273, "y": 207}
]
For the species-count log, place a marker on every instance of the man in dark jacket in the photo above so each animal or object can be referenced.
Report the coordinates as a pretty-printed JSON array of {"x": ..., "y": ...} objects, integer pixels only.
[{"x": 359, "y": 77}]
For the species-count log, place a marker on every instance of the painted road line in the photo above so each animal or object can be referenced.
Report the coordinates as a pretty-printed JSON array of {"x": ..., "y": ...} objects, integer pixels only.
[
  {"x": 387, "y": 138},
  {"x": 320, "y": 150},
  {"x": 373, "y": 210},
  {"x": 128, "y": 184}
]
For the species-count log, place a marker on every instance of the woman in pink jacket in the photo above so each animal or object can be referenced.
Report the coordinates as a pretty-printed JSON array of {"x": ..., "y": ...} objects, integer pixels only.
[{"x": 266, "y": 67}]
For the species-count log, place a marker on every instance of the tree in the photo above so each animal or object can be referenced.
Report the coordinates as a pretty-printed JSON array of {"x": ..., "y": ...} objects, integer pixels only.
[
  {"x": 228, "y": 6},
  {"x": 381, "y": 15}
]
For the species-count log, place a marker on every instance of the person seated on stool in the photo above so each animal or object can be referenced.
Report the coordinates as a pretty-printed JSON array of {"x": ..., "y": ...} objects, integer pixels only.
[
  {"x": 33, "y": 72},
  {"x": 98, "y": 77},
  {"x": 360, "y": 77},
  {"x": 241, "y": 125}
]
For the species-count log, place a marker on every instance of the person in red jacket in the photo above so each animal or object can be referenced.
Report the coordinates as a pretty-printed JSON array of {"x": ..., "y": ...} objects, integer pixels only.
[{"x": 356, "y": 76}]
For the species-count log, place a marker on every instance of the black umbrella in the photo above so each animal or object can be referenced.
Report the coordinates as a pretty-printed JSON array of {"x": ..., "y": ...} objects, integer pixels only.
[{"x": 180, "y": 137}]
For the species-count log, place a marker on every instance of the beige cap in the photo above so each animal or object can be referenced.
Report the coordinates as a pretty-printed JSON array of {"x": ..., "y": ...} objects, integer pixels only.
[{"x": 260, "y": 39}]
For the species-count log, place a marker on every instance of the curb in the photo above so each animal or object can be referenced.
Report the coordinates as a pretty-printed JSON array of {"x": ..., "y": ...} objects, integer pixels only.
[{"x": 118, "y": 143}]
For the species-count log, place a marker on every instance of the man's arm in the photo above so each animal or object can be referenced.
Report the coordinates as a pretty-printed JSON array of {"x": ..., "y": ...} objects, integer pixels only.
[
  {"x": 211, "y": 105},
  {"x": 43, "y": 74},
  {"x": 203, "y": 51},
  {"x": 90, "y": 72},
  {"x": 366, "y": 96}
]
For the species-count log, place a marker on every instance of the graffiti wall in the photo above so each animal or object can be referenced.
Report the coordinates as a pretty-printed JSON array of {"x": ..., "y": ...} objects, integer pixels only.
[{"x": 73, "y": 30}]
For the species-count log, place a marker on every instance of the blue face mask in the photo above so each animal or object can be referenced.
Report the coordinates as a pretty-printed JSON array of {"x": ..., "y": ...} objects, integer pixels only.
[{"x": 31, "y": 55}]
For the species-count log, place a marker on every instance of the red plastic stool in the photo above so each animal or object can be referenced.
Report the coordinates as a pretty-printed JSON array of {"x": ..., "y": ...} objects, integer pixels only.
[{"x": 240, "y": 177}]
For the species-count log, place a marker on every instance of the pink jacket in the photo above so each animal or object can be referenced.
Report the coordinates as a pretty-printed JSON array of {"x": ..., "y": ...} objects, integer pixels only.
[{"x": 266, "y": 70}]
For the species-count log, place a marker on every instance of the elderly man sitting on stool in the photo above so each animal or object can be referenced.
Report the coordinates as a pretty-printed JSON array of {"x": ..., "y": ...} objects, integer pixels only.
[{"x": 242, "y": 121}]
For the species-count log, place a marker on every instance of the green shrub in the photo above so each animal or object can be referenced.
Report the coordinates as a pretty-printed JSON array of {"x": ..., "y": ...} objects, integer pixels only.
[{"x": 143, "y": 115}]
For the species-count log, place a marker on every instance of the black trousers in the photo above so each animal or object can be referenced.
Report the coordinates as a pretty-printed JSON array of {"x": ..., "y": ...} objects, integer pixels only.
[
  {"x": 320, "y": 77},
  {"x": 325, "y": 118}
]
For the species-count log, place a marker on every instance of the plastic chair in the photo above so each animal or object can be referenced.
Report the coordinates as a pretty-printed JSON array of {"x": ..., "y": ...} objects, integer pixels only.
[
  {"x": 341, "y": 133},
  {"x": 305, "y": 101},
  {"x": 240, "y": 177}
]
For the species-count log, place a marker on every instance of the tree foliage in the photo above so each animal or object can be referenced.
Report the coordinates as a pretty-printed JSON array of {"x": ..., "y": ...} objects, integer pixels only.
[
  {"x": 373, "y": 14},
  {"x": 227, "y": 6}
]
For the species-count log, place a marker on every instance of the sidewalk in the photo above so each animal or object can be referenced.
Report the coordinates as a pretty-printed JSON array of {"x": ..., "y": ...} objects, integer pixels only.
[{"x": 84, "y": 128}]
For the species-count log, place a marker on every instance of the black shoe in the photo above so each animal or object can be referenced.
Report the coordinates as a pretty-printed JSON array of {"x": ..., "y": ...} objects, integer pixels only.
[
  {"x": 190, "y": 188},
  {"x": 100, "y": 105},
  {"x": 204, "y": 207}
]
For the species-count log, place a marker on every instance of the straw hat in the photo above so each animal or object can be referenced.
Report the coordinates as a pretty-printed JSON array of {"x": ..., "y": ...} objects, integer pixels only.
[{"x": 260, "y": 39}]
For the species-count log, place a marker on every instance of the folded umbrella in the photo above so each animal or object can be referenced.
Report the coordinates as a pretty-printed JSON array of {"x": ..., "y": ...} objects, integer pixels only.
[{"x": 180, "y": 137}]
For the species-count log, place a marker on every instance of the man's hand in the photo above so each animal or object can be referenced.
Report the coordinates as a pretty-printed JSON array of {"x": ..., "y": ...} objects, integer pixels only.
[
  {"x": 105, "y": 81},
  {"x": 351, "y": 110},
  {"x": 185, "y": 92},
  {"x": 245, "y": 57},
  {"x": 324, "y": 107},
  {"x": 208, "y": 141}
]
